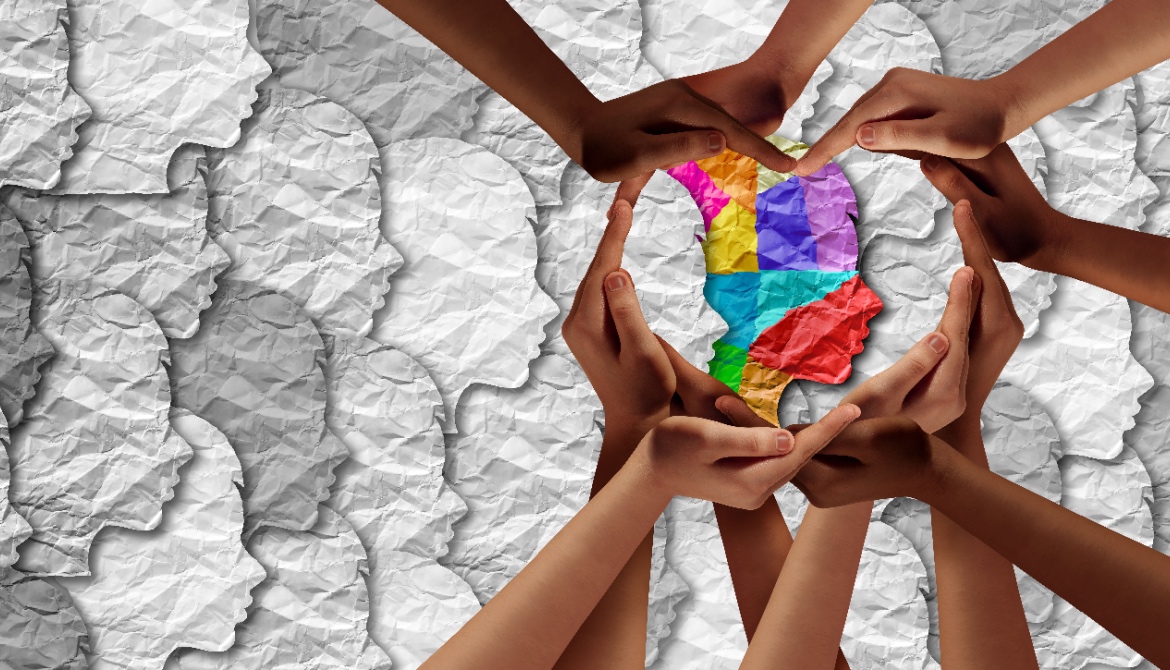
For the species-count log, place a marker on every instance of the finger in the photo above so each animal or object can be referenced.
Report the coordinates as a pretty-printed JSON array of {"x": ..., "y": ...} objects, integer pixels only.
[
  {"x": 734, "y": 442},
  {"x": 994, "y": 168},
  {"x": 632, "y": 331},
  {"x": 912, "y": 368},
  {"x": 843, "y": 134},
  {"x": 608, "y": 257},
  {"x": 925, "y": 135},
  {"x": 631, "y": 188},
  {"x": 737, "y": 137},
  {"x": 976, "y": 253},
  {"x": 684, "y": 146},
  {"x": 738, "y": 413},
  {"x": 817, "y": 436},
  {"x": 956, "y": 326},
  {"x": 949, "y": 179}
]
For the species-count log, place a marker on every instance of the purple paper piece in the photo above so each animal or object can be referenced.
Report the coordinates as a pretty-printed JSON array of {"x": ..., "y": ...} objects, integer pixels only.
[
  {"x": 785, "y": 240},
  {"x": 710, "y": 198},
  {"x": 830, "y": 202}
]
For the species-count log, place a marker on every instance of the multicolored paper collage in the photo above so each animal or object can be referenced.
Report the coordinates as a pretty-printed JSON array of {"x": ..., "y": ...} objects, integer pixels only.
[{"x": 781, "y": 255}]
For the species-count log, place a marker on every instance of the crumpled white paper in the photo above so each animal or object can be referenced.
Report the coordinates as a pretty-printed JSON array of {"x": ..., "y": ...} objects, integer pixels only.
[
  {"x": 893, "y": 196},
  {"x": 1022, "y": 446},
  {"x": 1079, "y": 367},
  {"x": 39, "y": 626},
  {"x": 96, "y": 447},
  {"x": 312, "y": 609},
  {"x": 296, "y": 204},
  {"x": 13, "y": 528},
  {"x": 22, "y": 347},
  {"x": 365, "y": 59},
  {"x": 385, "y": 408},
  {"x": 255, "y": 372},
  {"x": 1152, "y": 111},
  {"x": 466, "y": 304},
  {"x": 1116, "y": 494},
  {"x": 153, "y": 248},
  {"x": 184, "y": 584},
  {"x": 157, "y": 76},
  {"x": 523, "y": 460},
  {"x": 661, "y": 254},
  {"x": 39, "y": 110}
]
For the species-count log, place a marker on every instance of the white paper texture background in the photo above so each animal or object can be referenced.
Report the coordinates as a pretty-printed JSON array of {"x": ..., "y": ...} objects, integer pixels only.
[
  {"x": 184, "y": 584},
  {"x": 96, "y": 447},
  {"x": 22, "y": 348},
  {"x": 465, "y": 304},
  {"x": 39, "y": 111},
  {"x": 395, "y": 232},
  {"x": 255, "y": 371},
  {"x": 157, "y": 76},
  {"x": 154, "y": 249},
  {"x": 295, "y": 203},
  {"x": 13, "y": 528}
]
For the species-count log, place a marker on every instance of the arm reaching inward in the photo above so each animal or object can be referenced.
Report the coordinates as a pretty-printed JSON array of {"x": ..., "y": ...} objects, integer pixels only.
[
  {"x": 913, "y": 111},
  {"x": 981, "y": 617},
  {"x": 759, "y": 90},
  {"x": 1119, "y": 583},
  {"x": 805, "y": 615},
  {"x": 528, "y": 624},
  {"x": 1019, "y": 226},
  {"x": 662, "y": 125}
]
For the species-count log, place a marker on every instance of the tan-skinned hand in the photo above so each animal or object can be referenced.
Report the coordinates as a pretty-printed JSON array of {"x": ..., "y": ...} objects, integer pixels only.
[
  {"x": 910, "y": 112},
  {"x": 606, "y": 331},
  {"x": 750, "y": 91},
  {"x": 728, "y": 465}
]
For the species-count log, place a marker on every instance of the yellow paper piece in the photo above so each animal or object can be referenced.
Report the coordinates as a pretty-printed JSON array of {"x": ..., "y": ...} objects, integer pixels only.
[
  {"x": 731, "y": 242},
  {"x": 761, "y": 389},
  {"x": 769, "y": 178}
]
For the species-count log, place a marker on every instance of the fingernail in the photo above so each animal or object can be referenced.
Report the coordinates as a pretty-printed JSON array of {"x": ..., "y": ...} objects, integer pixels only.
[
  {"x": 867, "y": 135},
  {"x": 930, "y": 163},
  {"x": 784, "y": 442},
  {"x": 615, "y": 281},
  {"x": 715, "y": 142},
  {"x": 937, "y": 343}
]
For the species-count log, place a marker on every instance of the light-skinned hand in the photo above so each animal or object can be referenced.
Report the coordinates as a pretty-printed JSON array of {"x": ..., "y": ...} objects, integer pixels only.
[
  {"x": 606, "y": 331},
  {"x": 1015, "y": 220},
  {"x": 660, "y": 126},
  {"x": 911, "y": 112},
  {"x": 728, "y": 465}
]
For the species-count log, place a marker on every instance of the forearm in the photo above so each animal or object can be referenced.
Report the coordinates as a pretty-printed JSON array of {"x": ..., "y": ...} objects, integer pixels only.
[
  {"x": 1117, "y": 41},
  {"x": 531, "y": 621},
  {"x": 978, "y": 599},
  {"x": 802, "y": 625},
  {"x": 1126, "y": 262},
  {"x": 494, "y": 43},
  {"x": 1119, "y": 583},
  {"x": 614, "y": 634},
  {"x": 820, "y": 24},
  {"x": 757, "y": 543}
]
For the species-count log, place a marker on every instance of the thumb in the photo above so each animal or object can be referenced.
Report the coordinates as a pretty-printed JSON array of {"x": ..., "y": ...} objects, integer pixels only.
[
  {"x": 898, "y": 380},
  {"x": 626, "y": 311},
  {"x": 738, "y": 412},
  {"x": 737, "y": 442},
  {"x": 818, "y": 436},
  {"x": 631, "y": 188}
]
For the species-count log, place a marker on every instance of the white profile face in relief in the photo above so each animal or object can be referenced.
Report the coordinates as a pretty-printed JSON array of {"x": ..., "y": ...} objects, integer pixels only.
[{"x": 465, "y": 304}]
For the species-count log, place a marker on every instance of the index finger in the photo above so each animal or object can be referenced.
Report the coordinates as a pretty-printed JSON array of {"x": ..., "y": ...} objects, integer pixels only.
[
  {"x": 738, "y": 137},
  {"x": 976, "y": 254},
  {"x": 608, "y": 258},
  {"x": 839, "y": 138}
]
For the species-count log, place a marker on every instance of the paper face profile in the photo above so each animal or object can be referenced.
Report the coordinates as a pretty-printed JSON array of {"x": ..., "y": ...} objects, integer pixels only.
[{"x": 781, "y": 255}]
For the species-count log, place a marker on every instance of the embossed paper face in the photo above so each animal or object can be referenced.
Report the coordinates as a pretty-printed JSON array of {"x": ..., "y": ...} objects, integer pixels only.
[{"x": 781, "y": 258}]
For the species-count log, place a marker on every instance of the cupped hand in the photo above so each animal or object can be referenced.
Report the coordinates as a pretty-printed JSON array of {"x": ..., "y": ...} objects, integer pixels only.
[
  {"x": 737, "y": 467},
  {"x": 911, "y": 111},
  {"x": 607, "y": 333},
  {"x": 927, "y": 384},
  {"x": 875, "y": 459},
  {"x": 1017, "y": 223},
  {"x": 749, "y": 91},
  {"x": 664, "y": 125},
  {"x": 996, "y": 329}
]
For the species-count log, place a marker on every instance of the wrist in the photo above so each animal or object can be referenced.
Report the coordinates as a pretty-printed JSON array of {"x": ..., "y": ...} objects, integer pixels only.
[
  {"x": 789, "y": 75},
  {"x": 1014, "y": 103},
  {"x": 940, "y": 473},
  {"x": 575, "y": 114},
  {"x": 641, "y": 469}
]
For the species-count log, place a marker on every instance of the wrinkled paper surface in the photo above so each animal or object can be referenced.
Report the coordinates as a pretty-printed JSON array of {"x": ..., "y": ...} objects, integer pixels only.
[{"x": 22, "y": 347}]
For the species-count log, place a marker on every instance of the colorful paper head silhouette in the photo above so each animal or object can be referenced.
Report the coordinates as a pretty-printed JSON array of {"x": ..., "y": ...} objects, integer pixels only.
[{"x": 781, "y": 256}]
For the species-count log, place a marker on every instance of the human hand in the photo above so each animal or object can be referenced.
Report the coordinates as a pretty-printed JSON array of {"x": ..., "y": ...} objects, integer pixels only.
[
  {"x": 728, "y": 465},
  {"x": 927, "y": 384},
  {"x": 875, "y": 459},
  {"x": 911, "y": 111},
  {"x": 607, "y": 333},
  {"x": 663, "y": 125},
  {"x": 1017, "y": 223},
  {"x": 750, "y": 91}
]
